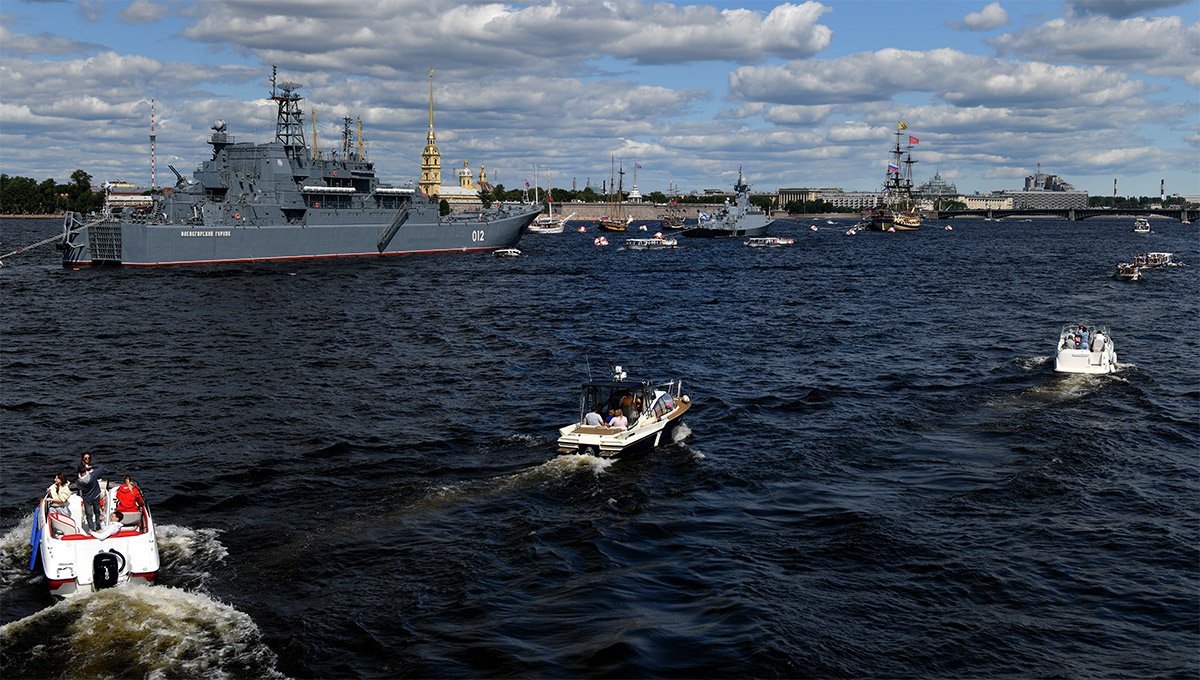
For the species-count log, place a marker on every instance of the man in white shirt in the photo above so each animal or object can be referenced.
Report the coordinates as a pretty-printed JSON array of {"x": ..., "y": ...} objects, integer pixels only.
[{"x": 111, "y": 527}]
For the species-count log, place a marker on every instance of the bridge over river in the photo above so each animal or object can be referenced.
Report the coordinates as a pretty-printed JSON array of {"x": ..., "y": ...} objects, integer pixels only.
[{"x": 1074, "y": 214}]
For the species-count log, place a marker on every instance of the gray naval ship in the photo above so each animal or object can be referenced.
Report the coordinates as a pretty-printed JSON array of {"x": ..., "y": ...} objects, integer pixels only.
[
  {"x": 277, "y": 201},
  {"x": 739, "y": 218}
]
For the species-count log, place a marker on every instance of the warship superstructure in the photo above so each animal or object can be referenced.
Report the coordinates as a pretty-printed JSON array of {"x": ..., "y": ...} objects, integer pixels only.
[
  {"x": 281, "y": 201},
  {"x": 739, "y": 218}
]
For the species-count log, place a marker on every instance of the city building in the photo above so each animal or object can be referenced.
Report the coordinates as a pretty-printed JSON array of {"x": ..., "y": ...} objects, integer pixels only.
[
  {"x": 936, "y": 188},
  {"x": 463, "y": 194},
  {"x": 986, "y": 202}
]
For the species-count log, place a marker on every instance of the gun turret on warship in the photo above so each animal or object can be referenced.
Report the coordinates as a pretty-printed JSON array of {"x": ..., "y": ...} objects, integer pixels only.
[{"x": 281, "y": 201}]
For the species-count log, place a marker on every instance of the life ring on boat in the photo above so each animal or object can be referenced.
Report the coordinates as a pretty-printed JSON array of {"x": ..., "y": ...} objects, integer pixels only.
[
  {"x": 237, "y": 216},
  {"x": 316, "y": 204}
]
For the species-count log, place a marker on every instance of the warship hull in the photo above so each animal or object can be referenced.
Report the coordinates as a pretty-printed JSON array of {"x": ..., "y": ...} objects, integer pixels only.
[
  {"x": 133, "y": 244},
  {"x": 748, "y": 225}
]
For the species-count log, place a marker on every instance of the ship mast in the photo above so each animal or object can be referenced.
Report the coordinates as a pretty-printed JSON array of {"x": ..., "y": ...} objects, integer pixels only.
[{"x": 289, "y": 123}]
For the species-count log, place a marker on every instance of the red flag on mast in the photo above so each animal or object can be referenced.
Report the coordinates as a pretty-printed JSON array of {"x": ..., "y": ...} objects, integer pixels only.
[{"x": 913, "y": 140}]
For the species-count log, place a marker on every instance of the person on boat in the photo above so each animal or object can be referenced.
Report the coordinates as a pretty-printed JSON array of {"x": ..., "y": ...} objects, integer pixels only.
[
  {"x": 57, "y": 495},
  {"x": 618, "y": 420},
  {"x": 593, "y": 417},
  {"x": 129, "y": 501},
  {"x": 1069, "y": 342},
  {"x": 1083, "y": 337},
  {"x": 114, "y": 524},
  {"x": 89, "y": 490}
]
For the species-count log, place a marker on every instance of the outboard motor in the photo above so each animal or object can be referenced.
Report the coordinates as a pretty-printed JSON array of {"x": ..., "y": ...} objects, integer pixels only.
[{"x": 106, "y": 569}]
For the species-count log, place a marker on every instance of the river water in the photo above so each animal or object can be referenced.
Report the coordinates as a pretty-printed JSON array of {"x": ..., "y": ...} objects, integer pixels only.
[{"x": 353, "y": 467}]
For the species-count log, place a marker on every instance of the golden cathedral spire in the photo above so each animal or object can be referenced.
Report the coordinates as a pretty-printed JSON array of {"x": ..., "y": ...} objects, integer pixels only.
[{"x": 431, "y": 158}]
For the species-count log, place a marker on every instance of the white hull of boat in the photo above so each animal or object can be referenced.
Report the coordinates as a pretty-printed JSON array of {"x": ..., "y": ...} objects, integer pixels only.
[{"x": 606, "y": 442}]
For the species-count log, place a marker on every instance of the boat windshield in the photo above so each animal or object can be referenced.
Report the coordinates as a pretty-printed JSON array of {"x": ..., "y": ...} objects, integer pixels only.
[{"x": 1073, "y": 328}]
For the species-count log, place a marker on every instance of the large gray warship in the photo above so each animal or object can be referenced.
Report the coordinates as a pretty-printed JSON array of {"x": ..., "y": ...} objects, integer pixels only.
[
  {"x": 739, "y": 218},
  {"x": 279, "y": 201}
]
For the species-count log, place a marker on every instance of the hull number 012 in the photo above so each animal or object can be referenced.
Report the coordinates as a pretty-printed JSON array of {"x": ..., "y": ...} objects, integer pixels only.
[{"x": 478, "y": 235}]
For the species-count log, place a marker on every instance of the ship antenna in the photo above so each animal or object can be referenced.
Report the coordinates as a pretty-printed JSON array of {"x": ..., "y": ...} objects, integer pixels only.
[{"x": 153, "y": 139}]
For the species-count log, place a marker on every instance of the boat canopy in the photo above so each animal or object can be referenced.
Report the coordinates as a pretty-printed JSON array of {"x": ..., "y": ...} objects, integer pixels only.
[{"x": 633, "y": 397}]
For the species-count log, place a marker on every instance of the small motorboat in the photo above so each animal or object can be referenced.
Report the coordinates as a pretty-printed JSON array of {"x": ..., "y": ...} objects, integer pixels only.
[
  {"x": 1084, "y": 348},
  {"x": 769, "y": 241},
  {"x": 948, "y": 228},
  {"x": 851, "y": 231},
  {"x": 507, "y": 252},
  {"x": 1128, "y": 272},
  {"x": 1141, "y": 226},
  {"x": 652, "y": 413},
  {"x": 1155, "y": 260},
  {"x": 656, "y": 243},
  {"x": 76, "y": 561},
  {"x": 812, "y": 227}
]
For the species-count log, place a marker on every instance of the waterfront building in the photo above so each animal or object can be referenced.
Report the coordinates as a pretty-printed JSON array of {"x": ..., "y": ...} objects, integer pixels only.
[
  {"x": 464, "y": 194},
  {"x": 851, "y": 200},
  {"x": 937, "y": 188},
  {"x": 986, "y": 202}
]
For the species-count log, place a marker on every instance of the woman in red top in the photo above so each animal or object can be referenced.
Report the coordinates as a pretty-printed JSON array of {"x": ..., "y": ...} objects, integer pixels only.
[{"x": 129, "y": 502}]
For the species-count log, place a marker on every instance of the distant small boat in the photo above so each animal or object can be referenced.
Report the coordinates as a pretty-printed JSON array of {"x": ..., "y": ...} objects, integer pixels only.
[
  {"x": 769, "y": 241},
  {"x": 829, "y": 222},
  {"x": 1141, "y": 226},
  {"x": 1128, "y": 272},
  {"x": 949, "y": 228},
  {"x": 851, "y": 231},
  {"x": 1154, "y": 260},
  {"x": 507, "y": 252},
  {"x": 812, "y": 228},
  {"x": 650, "y": 243}
]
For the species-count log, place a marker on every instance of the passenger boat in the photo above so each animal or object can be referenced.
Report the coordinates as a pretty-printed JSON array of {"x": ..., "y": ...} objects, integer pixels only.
[
  {"x": 653, "y": 412},
  {"x": 507, "y": 252},
  {"x": 548, "y": 223},
  {"x": 1097, "y": 357},
  {"x": 1154, "y": 260},
  {"x": 74, "y": 561},
  {"x": 656, "y": 243},
  {"x": 770, "y": 241},
  {"x": 1128, "y": 272},
  {"x": 1141, "y": 226}
]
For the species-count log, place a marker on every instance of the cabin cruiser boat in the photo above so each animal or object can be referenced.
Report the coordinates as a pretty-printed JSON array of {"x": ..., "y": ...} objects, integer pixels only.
[
  {"x": 1128, "y": 272},
  {"x": 1096, "y": 357},
  {"x": 1154, "y": 260},
  {"x": 770, "y": 241},
  {"x": 653, "y": 412},
  {"x": 76, "y": 561},
  {"x": 656, "y": 243},
  {"x": 1141, "y": 226}
]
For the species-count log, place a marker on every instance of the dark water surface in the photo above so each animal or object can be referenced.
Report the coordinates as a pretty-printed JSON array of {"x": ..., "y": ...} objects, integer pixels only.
[{"x": 353, "y": 462}]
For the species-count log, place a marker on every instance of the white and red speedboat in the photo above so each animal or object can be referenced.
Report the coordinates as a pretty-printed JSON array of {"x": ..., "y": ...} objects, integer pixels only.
[{"x": 75, "y": 561}]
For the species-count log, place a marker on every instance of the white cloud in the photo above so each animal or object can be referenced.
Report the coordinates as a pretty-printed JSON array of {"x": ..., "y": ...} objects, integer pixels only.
[
  {"x": 1157, "y": 46},
  {"x": 990, "y": 17},
  {"x": 1120, "y": 9},
  {"x": 143, "y": 12},
  {"x": 950, "y": 75}
]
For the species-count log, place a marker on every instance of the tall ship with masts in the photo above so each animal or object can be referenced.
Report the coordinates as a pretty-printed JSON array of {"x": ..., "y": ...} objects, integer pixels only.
[
  {"x": 897, "y": 211},
  {"x": 616, "y": 219},
  {"x": 284, "y": 201}
]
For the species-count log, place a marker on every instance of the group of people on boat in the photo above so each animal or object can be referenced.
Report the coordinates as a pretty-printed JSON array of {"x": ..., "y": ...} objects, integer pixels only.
[
  {"x": 91, "y": 487},
  {"x": 1081, "y": 339},
  {"x": 622, "y": 409}
]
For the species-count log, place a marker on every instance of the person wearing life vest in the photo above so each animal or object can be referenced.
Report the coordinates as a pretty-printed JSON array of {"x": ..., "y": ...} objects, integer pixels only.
[{"x": 130, "y": 502}]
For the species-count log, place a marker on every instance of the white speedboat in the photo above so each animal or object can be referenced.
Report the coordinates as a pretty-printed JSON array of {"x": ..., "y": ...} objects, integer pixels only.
[
  {"x": 507, "y": 252},
  {"x": 653, "y": 412},
  {"x": 1097, "y": 355},
  {"x": 1141, "y": 226},
  {"x": 1154, "y": 260},
  {"x": 549, "y": 224},
  {"x": 770, "y": 241},
  {"x": 657, "y": 243},
  {"x": 75, "y": 561}
]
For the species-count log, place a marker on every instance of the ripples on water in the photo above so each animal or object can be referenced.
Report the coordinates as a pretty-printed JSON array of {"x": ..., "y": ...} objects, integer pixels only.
[{"x": 881, "y": 476}]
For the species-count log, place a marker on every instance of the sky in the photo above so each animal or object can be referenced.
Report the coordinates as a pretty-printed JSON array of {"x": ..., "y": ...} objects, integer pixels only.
[{"x": 801, "y": 94}]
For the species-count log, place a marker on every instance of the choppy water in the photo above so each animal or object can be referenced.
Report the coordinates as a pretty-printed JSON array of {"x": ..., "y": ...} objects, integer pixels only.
[{"x": 882, "y": 476}]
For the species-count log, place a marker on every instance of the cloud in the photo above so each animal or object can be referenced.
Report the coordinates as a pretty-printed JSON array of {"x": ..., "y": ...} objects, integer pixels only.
[
  {"x": 143, "y": 12},
  {"x": 990, "y": 17},
  {"x": 42, "y": 43},
  {"x": 557, "y": 37},
  {"x": 1157, "y": 46},
  {"x": 950, "y": 75},
  {"x": 1120, "y": 9}
]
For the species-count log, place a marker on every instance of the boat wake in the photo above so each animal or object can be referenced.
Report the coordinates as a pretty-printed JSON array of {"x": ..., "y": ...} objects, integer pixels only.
[
  {"x": 553, "y": 471},
  {"x": 137, "y": 632}
]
